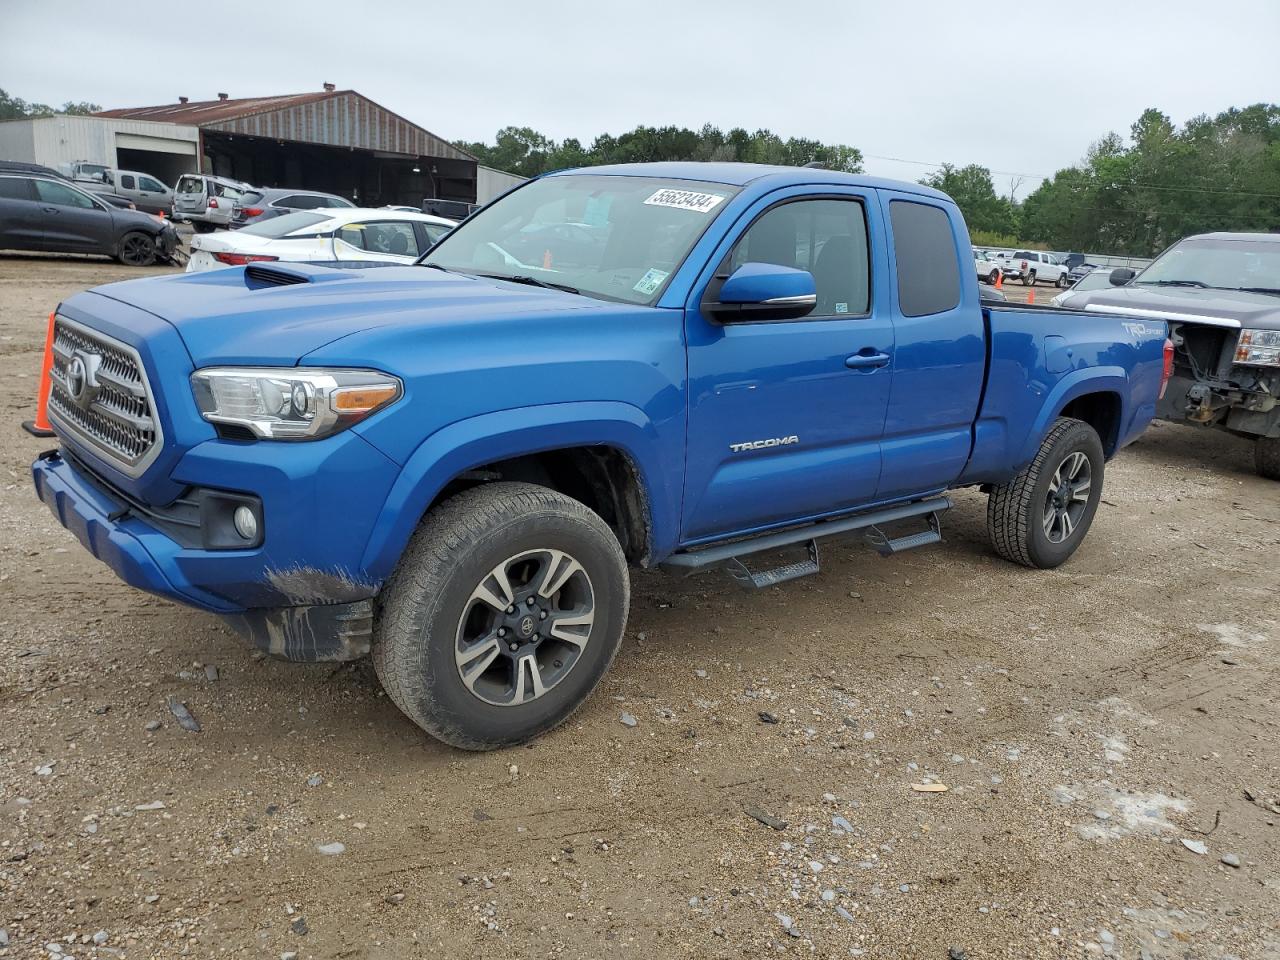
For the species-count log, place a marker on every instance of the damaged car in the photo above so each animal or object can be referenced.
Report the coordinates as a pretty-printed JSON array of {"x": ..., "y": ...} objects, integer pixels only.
[{"x": 1220, "y": 294}]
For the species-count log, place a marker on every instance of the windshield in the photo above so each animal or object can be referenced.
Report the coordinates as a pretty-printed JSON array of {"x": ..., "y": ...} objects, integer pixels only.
[
  {"x": 611, "y": 237},
  {"x": 279, "y": 226},
  {"x": 1220, "y": 263}
]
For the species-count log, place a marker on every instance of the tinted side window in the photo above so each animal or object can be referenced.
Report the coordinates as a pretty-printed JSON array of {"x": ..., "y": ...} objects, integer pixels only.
[
  {"x": 394, "y": 237},
  {"x": 15, "y": 188},
  {"x": 62, "y": 196},
  {"x": 146, "y": 183},
  {"x": 127, "y": 182},
  {"x": 925, "y": 252},
  {"x": 826, "y": 237}
]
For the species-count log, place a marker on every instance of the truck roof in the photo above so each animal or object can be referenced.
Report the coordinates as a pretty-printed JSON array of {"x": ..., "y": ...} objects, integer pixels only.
[{"x": 741, "y": 174}]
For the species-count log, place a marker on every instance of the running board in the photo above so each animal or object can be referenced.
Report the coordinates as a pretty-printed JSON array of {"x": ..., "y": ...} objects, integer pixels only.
[
  {"x": 887, "y": 546},
  {"x": 731, "y": 554}
]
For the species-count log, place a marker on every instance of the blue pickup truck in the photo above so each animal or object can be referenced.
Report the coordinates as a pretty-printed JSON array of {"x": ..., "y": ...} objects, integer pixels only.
[{"x": 453, "y": 465}]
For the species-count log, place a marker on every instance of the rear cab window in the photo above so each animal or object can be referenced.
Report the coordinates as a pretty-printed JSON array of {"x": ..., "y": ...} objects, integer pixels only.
[{"x": 925, "y": 254}]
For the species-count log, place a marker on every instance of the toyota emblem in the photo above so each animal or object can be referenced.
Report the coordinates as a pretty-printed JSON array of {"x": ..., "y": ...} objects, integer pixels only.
[{"x": 77, "y": 378}]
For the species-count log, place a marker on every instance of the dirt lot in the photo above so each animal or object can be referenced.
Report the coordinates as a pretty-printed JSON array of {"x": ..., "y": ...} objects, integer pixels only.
[{"x": 1092, "y": 724}]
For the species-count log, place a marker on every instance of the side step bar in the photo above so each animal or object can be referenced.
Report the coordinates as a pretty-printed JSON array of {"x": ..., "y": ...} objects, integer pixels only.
[{"x": 731, "y": 554}]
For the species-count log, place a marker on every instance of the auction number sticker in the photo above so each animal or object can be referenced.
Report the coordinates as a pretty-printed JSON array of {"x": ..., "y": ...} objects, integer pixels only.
[
  {"x": 685, "y": 200},
  {"x": 650, "y": 282}
]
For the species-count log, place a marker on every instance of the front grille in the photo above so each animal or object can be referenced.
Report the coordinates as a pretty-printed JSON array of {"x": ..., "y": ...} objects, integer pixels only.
[{"x": 99, "y": 394}]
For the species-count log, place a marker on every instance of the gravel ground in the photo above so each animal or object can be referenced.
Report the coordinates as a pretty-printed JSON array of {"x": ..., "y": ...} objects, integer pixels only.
[{"x": 1106, "y": 732}]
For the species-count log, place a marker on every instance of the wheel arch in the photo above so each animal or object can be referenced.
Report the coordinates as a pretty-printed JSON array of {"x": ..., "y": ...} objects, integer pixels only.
[
  {"x": 604, "y": 454},
  {"x": 1072, "y": 393}
]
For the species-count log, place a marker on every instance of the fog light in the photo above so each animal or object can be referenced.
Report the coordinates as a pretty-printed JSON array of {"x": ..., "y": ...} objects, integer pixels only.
[{"x": 246, "y": 523}]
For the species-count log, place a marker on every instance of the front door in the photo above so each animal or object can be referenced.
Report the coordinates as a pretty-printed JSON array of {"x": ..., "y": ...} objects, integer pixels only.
[
  {"x": 73, "y": 223},
  {"x": 785, "y": 418}
]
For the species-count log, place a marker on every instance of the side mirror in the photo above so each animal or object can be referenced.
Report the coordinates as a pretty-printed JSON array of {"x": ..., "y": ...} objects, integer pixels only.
[
  {"x": 764, "y": 291},
  {"x": 1122, "y": 275}
]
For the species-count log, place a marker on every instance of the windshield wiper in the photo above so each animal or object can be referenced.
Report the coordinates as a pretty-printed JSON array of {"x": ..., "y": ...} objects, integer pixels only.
[
  {"x": 1175, "y": 283},
  {"x": 532, "y": 282},
  {"x": 1275, "y": 290},
  {"x": 433, "y": 266}
]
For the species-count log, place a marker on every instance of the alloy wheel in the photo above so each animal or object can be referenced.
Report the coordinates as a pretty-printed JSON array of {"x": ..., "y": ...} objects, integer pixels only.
[
  {"x": 524, "y": 627},
  {"x": 1067, "y": 497}
]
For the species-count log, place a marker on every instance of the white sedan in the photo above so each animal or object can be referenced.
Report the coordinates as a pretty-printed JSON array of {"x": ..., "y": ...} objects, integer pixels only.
[{"x": 319, "y": 236}]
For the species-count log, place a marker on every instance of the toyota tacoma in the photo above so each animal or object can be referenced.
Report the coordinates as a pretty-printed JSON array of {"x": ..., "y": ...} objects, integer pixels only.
[{"x": 453, "y": 465}]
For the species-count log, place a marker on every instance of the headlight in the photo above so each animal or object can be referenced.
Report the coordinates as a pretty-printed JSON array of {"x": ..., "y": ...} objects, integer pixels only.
[
  {"x": 1260, "y": 347},
  {"x": 291, "y": 403}
]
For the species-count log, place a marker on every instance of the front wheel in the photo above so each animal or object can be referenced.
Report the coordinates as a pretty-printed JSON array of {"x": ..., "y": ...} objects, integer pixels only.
[
  {"x": 1266, "y": 457},
  {"x": 993, "y": 276},
  {"x": 137, "y": 250},
  {"x": 1040, "y": 517},
  {"x": 1062, "y": 280},
  {"x": 507, "y": 608}
]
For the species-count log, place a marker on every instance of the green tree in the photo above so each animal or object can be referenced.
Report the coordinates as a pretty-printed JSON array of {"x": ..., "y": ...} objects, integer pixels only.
[
  {"x": 15, "y": 108},
  {"x": 974, "y": 193}
]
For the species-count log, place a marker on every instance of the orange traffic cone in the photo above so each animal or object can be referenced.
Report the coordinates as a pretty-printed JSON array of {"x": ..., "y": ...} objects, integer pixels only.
[
  {"x": 1031, "y": 295},
  {"x": 39, "y": 427},
  {"x": 999, "y": 279}
]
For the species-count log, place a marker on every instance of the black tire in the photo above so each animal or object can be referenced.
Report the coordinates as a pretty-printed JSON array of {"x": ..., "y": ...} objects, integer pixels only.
[
  {"x": 993, "y": 276},
  {"x": 137, "y": 249},
  {"x": 1266, "y": 457},
  {"x": 1062, "y": 280},
  {"x": 1018, "y": 512},
  {"x": 200, "y": 226},
  {"x": 1030, "y": 279},
  {"x": 431, "y": 601}
]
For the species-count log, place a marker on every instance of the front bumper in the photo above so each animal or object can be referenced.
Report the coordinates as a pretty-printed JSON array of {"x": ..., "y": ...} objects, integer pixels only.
[{"x": 301, "y": 594}]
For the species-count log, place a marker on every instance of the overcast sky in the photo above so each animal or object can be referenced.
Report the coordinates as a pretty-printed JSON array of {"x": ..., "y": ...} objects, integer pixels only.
[{"x": 1022, "y": 87}]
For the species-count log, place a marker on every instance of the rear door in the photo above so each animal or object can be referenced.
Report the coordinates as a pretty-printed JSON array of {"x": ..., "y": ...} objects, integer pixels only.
[
  {"x": 73, "y": 222},
  {"x": 20, "y": 217},
  {"x": 785, "y": 418},
  {"x": 941, "y": 355}
]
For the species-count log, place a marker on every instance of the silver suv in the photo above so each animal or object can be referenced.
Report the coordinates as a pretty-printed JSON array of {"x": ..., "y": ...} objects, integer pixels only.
[{"x": 206, "y": 201}]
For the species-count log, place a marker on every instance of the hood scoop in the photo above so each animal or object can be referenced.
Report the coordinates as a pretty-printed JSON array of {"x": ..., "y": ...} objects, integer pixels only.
[{"x": 256, "y": 277}]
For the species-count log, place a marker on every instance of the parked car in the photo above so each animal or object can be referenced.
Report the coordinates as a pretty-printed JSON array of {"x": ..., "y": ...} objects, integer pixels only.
[
  {"x": 1034, "y": 266},
  {"x": 265, "y": 203},
  {"x": 19, "y": 166},
  {"x": 987, "y": 292},
  {"x": 1086, "y": 280},
  {"x": 315, "y": 236},
  {"x": 42, "y": 213},
  {"x": 1220, "y": 295},
  {"x": 987, "y": 268},
  {"x": 482, "y": 445},
  {"x": 146, "y": 192},
  {"x": 456, "y": 210},
  {"x": 207, "y": 202}
]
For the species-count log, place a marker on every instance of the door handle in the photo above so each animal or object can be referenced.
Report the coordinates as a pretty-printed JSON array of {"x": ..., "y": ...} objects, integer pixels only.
[
  {"x": 49, "y": 209},
  {"x": 868, "y": 358}
]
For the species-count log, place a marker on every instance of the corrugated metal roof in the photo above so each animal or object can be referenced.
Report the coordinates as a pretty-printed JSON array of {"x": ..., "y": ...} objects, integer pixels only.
[{"x": 339, "y": 118}]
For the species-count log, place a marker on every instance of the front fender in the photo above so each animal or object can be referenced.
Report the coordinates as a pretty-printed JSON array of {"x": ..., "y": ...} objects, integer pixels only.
[{"x": 467, "y": 444}]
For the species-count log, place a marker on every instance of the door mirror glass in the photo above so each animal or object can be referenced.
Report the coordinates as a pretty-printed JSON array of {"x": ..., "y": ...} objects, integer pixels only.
[
  {"x": 1122, "y": 275},
  {"x": 765, "y": 291}
]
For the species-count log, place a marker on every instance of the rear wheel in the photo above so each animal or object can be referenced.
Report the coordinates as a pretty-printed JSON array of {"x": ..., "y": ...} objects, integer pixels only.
[
  {"x": 1030, "y": 279},
  {"x": 137, "y": 250},
  {"x": 1266, "y": 457},
  {"x": 993, "y": 276},
  {"x": 1062, "y": 280},
  {"x": 506, "y": 610},
  {"x": 1040, "y": 517}
]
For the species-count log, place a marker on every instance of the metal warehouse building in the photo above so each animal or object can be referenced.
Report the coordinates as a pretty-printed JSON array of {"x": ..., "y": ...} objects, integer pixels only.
[{"x": 335, "y": 140}]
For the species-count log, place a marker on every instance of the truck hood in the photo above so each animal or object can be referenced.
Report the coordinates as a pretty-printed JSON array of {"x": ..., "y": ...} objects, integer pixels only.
[
  {"x": 1221, "y": 308},
  {"x": 278, "y": 313}
]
